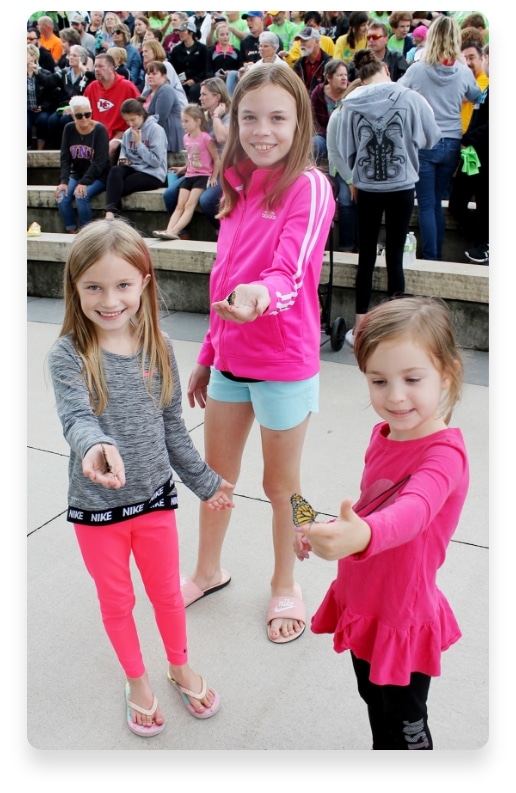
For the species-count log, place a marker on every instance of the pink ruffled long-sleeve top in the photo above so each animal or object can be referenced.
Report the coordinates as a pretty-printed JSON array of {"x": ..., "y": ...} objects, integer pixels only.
[{"x": 385, "y": 605}]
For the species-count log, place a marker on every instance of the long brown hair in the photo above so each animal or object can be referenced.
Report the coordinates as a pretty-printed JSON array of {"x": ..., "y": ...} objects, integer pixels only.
[
  {"x": 94, "y": 241},
  {"x": 300, "y": 155}
]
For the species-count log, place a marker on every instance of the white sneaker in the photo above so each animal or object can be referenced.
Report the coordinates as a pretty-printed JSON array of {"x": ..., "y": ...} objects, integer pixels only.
[{"x": 350, "y": 337}]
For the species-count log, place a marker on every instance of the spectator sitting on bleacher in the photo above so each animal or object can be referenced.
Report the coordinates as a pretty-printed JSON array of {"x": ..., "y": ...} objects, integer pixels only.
[
  {"x": 354, "y": 39},
  {"x": 249, "y": 47},
  {"x": 69, "y": 37},
  {"x": 163, "y": 103},
  {"x": 119, "y": 56},
  {"x": 172, "y": 38},
  {"x": 107, "y": 93},
  {"x": 377, "y": 37},
  {"x": 121, "y": 38},
  {"x": 48, "y": 38},
  {"x": 283, "y": 28},
  {"x": 189, "y": 60},
  {"x": 324, "y": 99},
  {"x": 84, "y": 164},
  {"x": 310, "y": 66},
  {"x": 40, "y": 98},
  {"x": 72, "y": 81},
  {"x": 222, "y": 57},
  {"x": 46, "y": 60},
  {"x": 78, "y": 22},
  {"x": 401, "y": 39},
  {"x": 143, "y": 157},
  {"x": 216, "y": 103},
  {"x": 105, "y": 40},
  {"x": 153, "y": 51},
  {"x": 312, "y": 19}
]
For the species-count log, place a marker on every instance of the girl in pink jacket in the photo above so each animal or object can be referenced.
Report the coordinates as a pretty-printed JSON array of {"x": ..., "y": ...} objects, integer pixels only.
[{"x": 260, "y": 357}]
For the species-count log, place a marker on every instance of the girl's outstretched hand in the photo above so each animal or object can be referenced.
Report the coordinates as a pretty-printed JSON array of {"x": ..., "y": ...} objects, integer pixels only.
[
  {"x": 244, "y": 304},
  {"x": 222, "y": 498},
  {"x": 102, "y": 464},
  {"x": 346, "y": 535}
]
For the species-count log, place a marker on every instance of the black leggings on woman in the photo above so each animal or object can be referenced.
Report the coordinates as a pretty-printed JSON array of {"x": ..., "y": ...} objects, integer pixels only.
[
  {"x": 397, "y": 714},
  {"x": 124, "y": 180},
  {"x": 398, "y": 208}
]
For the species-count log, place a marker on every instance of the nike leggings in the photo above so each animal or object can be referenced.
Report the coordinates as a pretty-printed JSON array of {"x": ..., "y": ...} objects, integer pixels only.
[
  {"x": 106, "y": 550},
  {"x": 397, "y": 714}
]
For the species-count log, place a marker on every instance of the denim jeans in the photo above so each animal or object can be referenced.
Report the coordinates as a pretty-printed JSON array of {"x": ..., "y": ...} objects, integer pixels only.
[
  {"x": 346, "y": 213},
  {"x": 436, "y": 168},
  {"x": 41, "y": 122},
  {"x": 231, "y": 81},
  {"x": 208, "y": 202},
  {"x": 66, "y": 209},
  {"x": 319, "y": 148}
]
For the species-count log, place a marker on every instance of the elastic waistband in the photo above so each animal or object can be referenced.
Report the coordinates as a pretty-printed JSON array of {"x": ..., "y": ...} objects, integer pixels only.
[{"x": 165, "y": 497}]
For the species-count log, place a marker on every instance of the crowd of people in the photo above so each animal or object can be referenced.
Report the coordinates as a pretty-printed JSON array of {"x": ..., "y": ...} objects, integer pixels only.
[
  {"x": 172, "y": 58},
  {"x": 264, "y": 99}
]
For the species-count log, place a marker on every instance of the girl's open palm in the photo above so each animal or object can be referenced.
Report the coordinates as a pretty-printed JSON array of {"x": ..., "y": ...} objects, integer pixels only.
[
  {"x": 94, "y": 466},
  {"x": 248, "y": 301}
]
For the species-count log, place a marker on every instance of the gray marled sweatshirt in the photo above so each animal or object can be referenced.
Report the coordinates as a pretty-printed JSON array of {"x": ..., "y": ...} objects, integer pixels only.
[{"x": 150, "y": 440}]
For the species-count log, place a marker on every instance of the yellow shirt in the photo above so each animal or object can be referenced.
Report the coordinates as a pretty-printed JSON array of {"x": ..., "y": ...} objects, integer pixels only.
[
  {"x": 344, "y": 52},
  {"x": 467, "y": 107},
  {"x": 295, "y": 52}
]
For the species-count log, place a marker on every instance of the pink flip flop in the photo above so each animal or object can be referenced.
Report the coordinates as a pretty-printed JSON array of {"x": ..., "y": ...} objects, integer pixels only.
[
  {"x": 287, "y": 608},
  {"x": 185, "y": 693},
  {"x": 191, "y": 592},
  {"x": 139, "y": 729}
]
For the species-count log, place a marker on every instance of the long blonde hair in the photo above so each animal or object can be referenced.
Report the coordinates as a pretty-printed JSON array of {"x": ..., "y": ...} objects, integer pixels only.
[
  {"x": 300, "y": 155},
  {"x": 95, "y": 240},
  {"x": 442, "y": 42},
  {"x": 428, "y": 322}
]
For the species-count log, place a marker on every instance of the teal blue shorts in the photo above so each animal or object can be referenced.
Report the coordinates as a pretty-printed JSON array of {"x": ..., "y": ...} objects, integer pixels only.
[{"x": 277, "y": 405}]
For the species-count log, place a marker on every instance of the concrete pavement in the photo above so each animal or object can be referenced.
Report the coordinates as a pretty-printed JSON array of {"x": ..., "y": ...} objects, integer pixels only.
[{"x": 300, "y": 696}]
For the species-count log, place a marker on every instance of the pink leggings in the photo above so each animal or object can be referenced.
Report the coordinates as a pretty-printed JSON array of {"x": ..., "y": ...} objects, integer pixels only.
[{"x": 106, "y": 551}]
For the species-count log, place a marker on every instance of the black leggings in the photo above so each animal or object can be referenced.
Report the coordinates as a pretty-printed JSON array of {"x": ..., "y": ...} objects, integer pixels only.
[
  {"x": 124, "y": 180},
  {"x": 397, "y": 714},
  {"x": 398, "y": 208}
]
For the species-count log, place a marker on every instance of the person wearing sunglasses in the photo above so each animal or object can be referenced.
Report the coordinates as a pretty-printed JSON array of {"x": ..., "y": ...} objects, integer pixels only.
[
  {"x": 69, "y": 82},
  {"x": 84, "y": 165},
  {"x": 46, "y": 60},
  {"x": 377, "y": 37}
]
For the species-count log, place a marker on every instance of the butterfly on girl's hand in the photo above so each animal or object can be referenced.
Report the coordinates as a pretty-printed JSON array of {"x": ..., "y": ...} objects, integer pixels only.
[
  {"x": 108, "y": 469},
  {"x": 302, "y": 512}
]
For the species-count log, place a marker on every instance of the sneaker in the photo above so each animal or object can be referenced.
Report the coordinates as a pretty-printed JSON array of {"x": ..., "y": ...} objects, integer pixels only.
[
  {"x": 479, "y": 255},
  {"x": 350, "y": 337}
]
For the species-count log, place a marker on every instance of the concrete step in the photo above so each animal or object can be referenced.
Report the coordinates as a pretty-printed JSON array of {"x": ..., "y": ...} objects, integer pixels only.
[{"x": 183, "y": 269}]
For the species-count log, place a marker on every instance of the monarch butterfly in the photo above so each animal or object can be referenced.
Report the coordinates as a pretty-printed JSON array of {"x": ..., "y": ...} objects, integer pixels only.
[{"x": 302, "y": 512}]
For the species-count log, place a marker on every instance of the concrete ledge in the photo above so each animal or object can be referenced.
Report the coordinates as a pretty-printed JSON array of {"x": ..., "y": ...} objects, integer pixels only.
[{"x": 183, "y": 269}]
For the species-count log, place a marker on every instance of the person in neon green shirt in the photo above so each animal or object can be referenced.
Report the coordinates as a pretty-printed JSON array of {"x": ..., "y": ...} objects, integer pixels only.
[{"x": 283, "y": 28}]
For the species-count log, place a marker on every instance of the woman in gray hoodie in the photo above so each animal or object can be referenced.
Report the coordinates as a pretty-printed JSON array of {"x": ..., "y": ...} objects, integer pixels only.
[
  {"x": 381, "y": 128},
  {"x": 142, "y": 164}
]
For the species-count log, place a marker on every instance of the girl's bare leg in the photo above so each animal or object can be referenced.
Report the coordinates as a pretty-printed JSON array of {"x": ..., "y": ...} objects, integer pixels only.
[
  {"x": 282, "y": 461},
  {"x": 226, "y": 428},
  {"x": 187, "y": 213}
]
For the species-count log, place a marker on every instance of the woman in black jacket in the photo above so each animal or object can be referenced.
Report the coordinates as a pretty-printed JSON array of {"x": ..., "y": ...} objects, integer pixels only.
[
  {"x": 189, "y": 60},
  {"x": 72, "y": 81}
]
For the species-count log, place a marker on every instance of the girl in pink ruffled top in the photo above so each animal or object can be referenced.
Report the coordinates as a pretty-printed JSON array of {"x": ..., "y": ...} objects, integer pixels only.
[{"x": 385, "y": 605}]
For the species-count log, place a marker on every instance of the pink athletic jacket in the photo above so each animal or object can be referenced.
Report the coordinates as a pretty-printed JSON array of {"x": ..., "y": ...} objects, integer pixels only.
[{"x": 283, "y": 250}]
